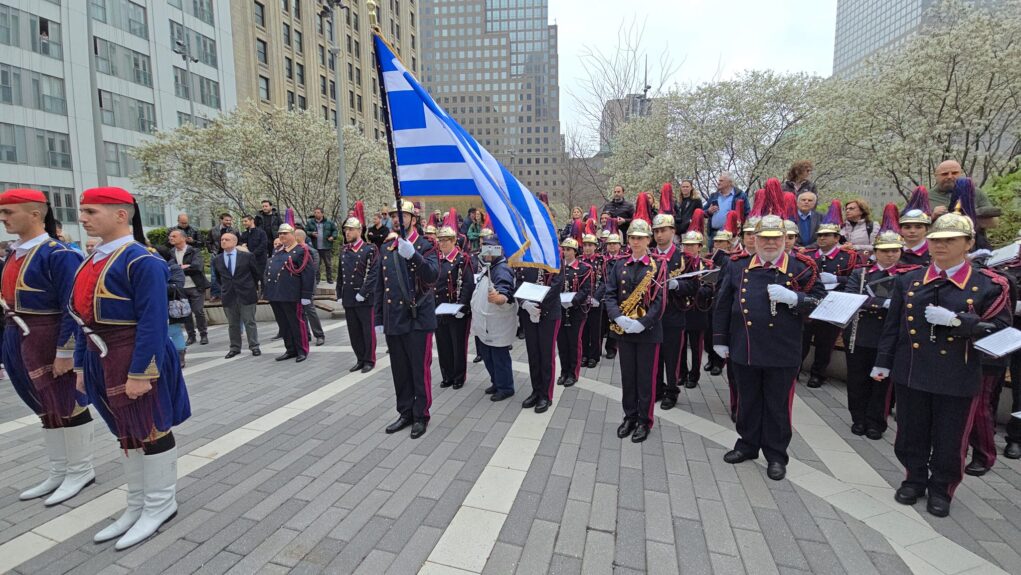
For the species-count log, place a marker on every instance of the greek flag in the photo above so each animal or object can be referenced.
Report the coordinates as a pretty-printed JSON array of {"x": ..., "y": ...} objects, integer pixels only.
[{"x": 436, "y": 157}]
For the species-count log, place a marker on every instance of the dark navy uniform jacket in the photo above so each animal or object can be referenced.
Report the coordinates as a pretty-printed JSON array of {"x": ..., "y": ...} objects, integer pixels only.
[
  {"x": 282, "y": 285},
  {"x": 941, "y": 359},
  {"x": 696, "y": 316},
  {"x": 873, "y": 312},
  {"x": 674, "y": 262},
  {"x": 357, "y": 273},
  {"x": 742, "y": 317},
  {"x": 921, "y": 257},
  {"x": 550, "y": 306},
  {"x": 621, "y": 281},
  {"x": 839, "y": 262},
  {"x": 403, "y": 285},
  {"x": 578, "y": 278},
  {"x": 597, "y": 262},
  {"x": 455, "y": 267}
]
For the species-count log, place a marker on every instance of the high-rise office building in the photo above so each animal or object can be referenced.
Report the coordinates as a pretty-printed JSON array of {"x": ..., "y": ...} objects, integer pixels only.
[
  {"x": 618, "y": 112},
  {"x": 82, "y": 83},
  {"x": 492, "y": 64},
  {"x": 284, "y": 57},
  {"x": 865, "y": 27}
]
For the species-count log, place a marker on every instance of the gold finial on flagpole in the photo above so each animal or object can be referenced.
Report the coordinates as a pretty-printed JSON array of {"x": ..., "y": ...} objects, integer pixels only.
[{"x": 373, "y": 19}]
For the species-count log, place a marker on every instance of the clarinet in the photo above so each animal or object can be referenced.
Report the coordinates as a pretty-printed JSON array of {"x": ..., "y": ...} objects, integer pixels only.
[
  {"x": 567, "y": 312},
  {"x": 857, "y": 316}
]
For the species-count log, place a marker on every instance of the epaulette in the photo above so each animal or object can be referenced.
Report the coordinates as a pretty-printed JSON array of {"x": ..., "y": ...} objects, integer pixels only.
[
  {"x": 52, "y": 243},
  {"x": 739, "y": 255},
  {"x": 808, "y": 261},
  {"x": 1001, "y": 300},
  {"x": 150, "y": 249},
  {"x": 904, "y": 268}
]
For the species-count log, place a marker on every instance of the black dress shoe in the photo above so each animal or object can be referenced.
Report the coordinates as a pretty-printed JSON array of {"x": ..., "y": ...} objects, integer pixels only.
[
  {"x": 355, "y": 367},
  {"x": 368, "y": 367},
  {"x": 190, "y": 340},
  {"x": 529, "y": 401},
  {"x": 691, "y": 383},
  {"x": 570, "y": 381},
  {"x": 1012, "y": 451},
  {"x": 858, "y": 428},
  {"x": 592, "y": 363},
  {"x": 256, "y": 352},
  {"x": 560, "y": 380},
  {"x": 716, "y": 370},
  {"x": 908, "y": 494},
  {"x": 458, "y": 385},
  {"x": 445, "y": 384},
  {"x": 641, "y": 433},
  {"x": 204, "y": 340},
  {"x": 611, "y": 354},
  {"x": 232, "y": 353},
  {"x": 626, "y": 428},
  {"x": 398, "y": 425},
  {"x": 707, "y": 366},
  {"x": 874, "y": 434},
  {"x": 776, "y": 470},
  {"x": 976, "y": 469},
  {"x": 478, "y": 359},
  {"x": 668, "y": 403},
  {"x": 734, "y": 456},
  {"x": 500, "y": 396},
  {"x": 490, "y": 390},
  {"x": 300, "y": 358},
  {"x": 938, "y": 506},
  {"x": 815, "y": 382},
  {"x": 418, "y": 429},
  {"x": 286, "y": 356},
  {"x": 320, "y": 341},
  {"x": 542, "y": 405}
]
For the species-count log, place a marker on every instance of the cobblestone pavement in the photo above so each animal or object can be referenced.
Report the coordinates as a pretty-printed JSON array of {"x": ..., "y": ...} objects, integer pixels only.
[{"x": 286, "y": 468}]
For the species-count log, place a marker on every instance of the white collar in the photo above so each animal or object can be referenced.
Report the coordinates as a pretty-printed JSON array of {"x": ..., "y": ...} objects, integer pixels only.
[
  {"x": 105, "y": 249},
  {"x": 950, "y": 272},
  {"x": 21, "y": 248},
  {"x": 918, "y": 246},
  {"x": 832, "y": 251}
]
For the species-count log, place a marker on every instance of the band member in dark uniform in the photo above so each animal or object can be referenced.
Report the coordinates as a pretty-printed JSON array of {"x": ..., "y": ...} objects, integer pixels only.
[
  {"x": 407, "y": 270},
  {"x": 578, "y": 279},
  {"x": 757, "y": 323},
  {"x": 592, "y": 336},
  {"x": 696, "y": 316},
  {"x": 356, "y": 288},
  {"x": 540, "y": 324},
  {"x": 671, "y": 260},
  {"x": 926, "y": 349},
  {"x": 455, "y": 285},
  {"x": 835, "y": 263},
  {"x": 289, "y": 285},
  {"x": 634, "y": 300},
  {"x": 868, "y": 400},
  {"x": 38, "y": 344},
  {"x": 126, "y": 361},
  {"x": 1013, "y": 448},
  {"x": 914, "y": 225},
  {"x": 613, "y": 254},
  {"x": 723, "y": 247}
]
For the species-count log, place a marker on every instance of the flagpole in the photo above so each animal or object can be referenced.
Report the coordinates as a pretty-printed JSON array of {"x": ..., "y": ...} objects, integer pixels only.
[{"x": 384, "y": 102}]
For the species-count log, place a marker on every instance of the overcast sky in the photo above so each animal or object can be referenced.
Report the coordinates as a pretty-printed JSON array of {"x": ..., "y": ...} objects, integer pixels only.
[{"x": 713, "y": 38}]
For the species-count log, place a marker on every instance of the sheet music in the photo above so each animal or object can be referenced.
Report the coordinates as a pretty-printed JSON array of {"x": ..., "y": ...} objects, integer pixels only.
[
  {"x": 696, "y": 274},
  {"x": 830, "y": 287},
  {"x": 838, "y": 308},
  {"x": 1003, "y": 255},
  {"x": 567, "y": 296},
  {"x": 448, "y": 308},
  {"x": 1001, "y": 343},
  {"x": 532, "y": 292}
]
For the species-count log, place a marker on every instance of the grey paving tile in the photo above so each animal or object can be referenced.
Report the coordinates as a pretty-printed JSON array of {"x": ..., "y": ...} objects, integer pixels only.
[
  {"x": 692, "y": 552},
  {"x": 755, "y": 552},
  {"x": 503, "y": 559},
  {"x": 573, "y": 529},
  {"x": 603, "y": 516},
  {"x": 538, "y": 549},
  {"x": 413, "y": 555},
  {"x": 599, "y": 550},
  {"x": 630, "y": 547},
  {"x": 821, "y": 558}
]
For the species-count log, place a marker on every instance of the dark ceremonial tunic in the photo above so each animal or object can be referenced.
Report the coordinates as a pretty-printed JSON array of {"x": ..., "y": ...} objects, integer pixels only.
[
  {"x": 917, "y": 257},
  {"x": 541, "y": 338},
  {"x": 668, "y": 372},
  {"x": 289, "y": 278},
  {"x": 455, "y": 285},
  {"x": 357, "y": 276},
  {"x": 840, "y": 262},
  {"x": 593, "y": 334},
  {"x": 579, "y": 279},
  {"x": 696, "y": 322}
]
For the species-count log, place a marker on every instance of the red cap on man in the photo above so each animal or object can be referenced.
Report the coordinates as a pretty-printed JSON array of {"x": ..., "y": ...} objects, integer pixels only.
[
  {"x": 22, "y": 196},
  {"x": 116, "y": 196}
]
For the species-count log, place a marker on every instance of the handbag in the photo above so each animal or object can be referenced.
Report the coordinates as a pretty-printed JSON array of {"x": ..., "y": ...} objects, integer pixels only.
[{"x": 179, "y": 307}]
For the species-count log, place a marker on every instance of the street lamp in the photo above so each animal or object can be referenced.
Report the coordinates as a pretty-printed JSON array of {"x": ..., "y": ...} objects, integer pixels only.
[
  {"x": 183, "y": 48},
  {"x": 330, "y": 8}
]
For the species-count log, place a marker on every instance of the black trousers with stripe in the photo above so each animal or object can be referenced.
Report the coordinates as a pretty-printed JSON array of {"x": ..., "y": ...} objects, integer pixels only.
[
  {"x": 639, "y": 362},
  {"x": 765, "y": 396}
]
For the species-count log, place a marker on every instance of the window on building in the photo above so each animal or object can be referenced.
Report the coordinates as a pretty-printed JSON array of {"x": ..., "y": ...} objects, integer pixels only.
[
  {"x": 261, "y": 51},
  {"x": 260, "y": 14},
  {"x": 322, "y": 85},
  {"x": 297, "y": 8},
  {"x": 287, "y": 35},
  {"x": 302, "y": 102},
  {"x": 299, "y": 44},
  {"x": 264, "y": 88},
  {"x": 289, "y": 68},
  {"x": 290, "y": 99},
  {"x": 301, "y": 74},
  {"x": 285, "y": 5}
]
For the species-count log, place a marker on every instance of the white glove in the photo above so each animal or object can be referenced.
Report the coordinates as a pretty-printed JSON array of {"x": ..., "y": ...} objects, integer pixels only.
[
  {"x": 566, "y": 304},
  {"x": 593, "y": 302},
  {"x": 672, "y": 284},
  {"x": 780, "y": 294},
  {"x": 886, "y": 304},
  {"x": 937, "y": 315},
  {"x": 535, "y": 316},
  {"x": 530, "y": 306},
  {"x": 722, "y": 350},
  {"x": 305, "y": 301},
  {"x": 359, "y": 298},
  {"x": 459, "y": 315},
  {"x": 405, "y": 248},
  {"x": 622, "y": 321},
  {"x": 983, "y": 253},
  {"x": 379, "y": 330},
  {"x": 879, "y": 373},
  {"x": 827, "y": 278},
  {"x": 634, "y": 326}
]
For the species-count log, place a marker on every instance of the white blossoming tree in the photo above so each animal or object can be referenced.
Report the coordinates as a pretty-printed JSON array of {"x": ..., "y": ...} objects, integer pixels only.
[{"x": 241, "y": 158}]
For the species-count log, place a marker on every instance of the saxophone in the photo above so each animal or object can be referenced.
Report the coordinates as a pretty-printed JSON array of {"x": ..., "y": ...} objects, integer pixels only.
[{"x": 631, "y": 307}]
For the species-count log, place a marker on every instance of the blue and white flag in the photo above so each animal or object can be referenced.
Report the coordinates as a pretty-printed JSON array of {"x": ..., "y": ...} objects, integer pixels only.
[{"x": 436, "y": 157}]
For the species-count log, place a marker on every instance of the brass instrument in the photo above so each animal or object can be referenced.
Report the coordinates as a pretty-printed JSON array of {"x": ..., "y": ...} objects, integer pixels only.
[{"x": 630, "y": 307}]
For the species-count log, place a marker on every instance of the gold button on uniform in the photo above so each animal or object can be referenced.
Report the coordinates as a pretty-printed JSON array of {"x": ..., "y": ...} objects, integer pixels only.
[
  {"x": 749, "y": 323},
  {"x": 912, "y": 332},
  {"x": 915, "y": 345},
  {"x": 911, "y": 318}
]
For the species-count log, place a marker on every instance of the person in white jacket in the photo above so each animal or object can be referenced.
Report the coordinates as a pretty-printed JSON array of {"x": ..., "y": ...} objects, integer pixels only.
[{"x": 494, "y": 315}]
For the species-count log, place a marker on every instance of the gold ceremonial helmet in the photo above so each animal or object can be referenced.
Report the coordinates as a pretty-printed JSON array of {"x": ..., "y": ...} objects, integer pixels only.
[
  {"x": 770, "y": 227},
  {"x": 952, "y": 225},
  {"x": 915, "y": 217},
  {"x": 406, "y": 207},
  {"x": 828, "y": 229},
  {"x": 603, "y": 234},
  {"x": 615, "y": 239},
  {"x": 663, "y": 221},
  {"x": 889, "y": 240},
  {"x": 570, "y": 243},
  {"x": 589, "y": 239},
  {"x": 791, "y": 227},
  {"x": 431, "y": 230},
  {"x": 446, "y": 232},
  {"x": 640, "y": 228},
  {"x": 352, "y": 223},
  {"x": 285, "y": 229},
  {"x": 485, "y": 233},
  {"x": 750, "y": 224},
  {"x": 723, "y": 236},
  {"x": 692, "y": 237}
]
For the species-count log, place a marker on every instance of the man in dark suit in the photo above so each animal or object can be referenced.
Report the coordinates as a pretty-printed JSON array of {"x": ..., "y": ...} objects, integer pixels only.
[
  {"x": 195, "y": 284},
  {"x": 808, "y": 220},
  {"x": 238, "y": 272},
  {"x": 255, "y": 239}
]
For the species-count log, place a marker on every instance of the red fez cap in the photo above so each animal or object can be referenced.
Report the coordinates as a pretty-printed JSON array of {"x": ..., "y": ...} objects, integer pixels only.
[
  {"x": 106, "y": 196},
  {"x": 22, "y": 196}
]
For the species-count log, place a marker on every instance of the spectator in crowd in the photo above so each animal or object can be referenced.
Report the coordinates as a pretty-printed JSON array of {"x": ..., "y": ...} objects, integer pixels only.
[
  {"x": 687, "y": 203},
  {"x": 311, "y": 316},
  {"x": 195, "y": 284},
  {"x": 808, "y": 220},
  {"x": 619, "y": 209},
  {"x": 175, "y": 291},
  {"x": 576, "y": 215},
  {"x": 859, "y": 231},
  {"x": 191, "y": 235},
  {"x": 475, "y": 230},
  {"x": 945, "y": 178},
  {"x": 723, "y": 200},
  {"x": 986, "y": 218},
  {"x": 798, "y": 178},
  {"x": 257, "y": 243},
  {"x": 269, "y": 220},
  {"x": 226, "y": 225},
  {"x": 377, "y": 233},
  {"x": 90, "y": 244},
  {"x": 322, "y": 233},
  {"x": 238, "y": 272},
  {"x": 465, "y": 223}
]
